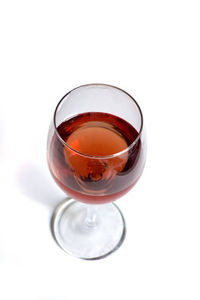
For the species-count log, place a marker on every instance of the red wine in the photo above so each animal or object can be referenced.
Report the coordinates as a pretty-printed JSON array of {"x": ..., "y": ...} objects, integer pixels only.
[{"x": 94, "y": 165}]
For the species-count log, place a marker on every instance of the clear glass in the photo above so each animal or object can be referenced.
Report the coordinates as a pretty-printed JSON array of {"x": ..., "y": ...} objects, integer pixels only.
[{"x": 96, "y": 153}]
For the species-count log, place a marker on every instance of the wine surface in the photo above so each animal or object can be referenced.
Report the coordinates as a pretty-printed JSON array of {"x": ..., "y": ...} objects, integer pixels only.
[{"x": 91, "y": 163}]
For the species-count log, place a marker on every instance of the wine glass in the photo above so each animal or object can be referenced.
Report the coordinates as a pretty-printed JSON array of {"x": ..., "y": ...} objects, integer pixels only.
[{"x": 95, "y": 153}]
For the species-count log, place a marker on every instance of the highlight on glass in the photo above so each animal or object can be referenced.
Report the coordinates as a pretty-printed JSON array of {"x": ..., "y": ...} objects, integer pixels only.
[{"x": 96, "y": 154}]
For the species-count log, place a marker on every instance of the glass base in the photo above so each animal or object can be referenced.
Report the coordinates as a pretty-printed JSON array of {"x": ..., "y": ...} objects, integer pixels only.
[{"x": 88, "y": 231}]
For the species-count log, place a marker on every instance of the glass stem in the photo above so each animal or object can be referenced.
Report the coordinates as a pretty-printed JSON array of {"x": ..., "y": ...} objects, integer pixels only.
[{"x": 91, "y": 216}]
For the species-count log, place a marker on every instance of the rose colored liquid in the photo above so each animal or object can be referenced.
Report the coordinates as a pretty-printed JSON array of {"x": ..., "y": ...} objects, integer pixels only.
[{"x": 91, "y": 177}]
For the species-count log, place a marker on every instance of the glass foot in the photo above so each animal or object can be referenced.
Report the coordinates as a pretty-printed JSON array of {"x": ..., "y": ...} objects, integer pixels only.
[{"x": 88, "y": 231}]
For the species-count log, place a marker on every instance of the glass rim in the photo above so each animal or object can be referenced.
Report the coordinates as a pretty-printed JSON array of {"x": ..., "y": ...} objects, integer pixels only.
[{"x": 95, "y": 156}]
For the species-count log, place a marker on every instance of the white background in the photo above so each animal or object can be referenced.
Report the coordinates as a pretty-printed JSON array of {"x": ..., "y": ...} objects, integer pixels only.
[{"x": 149, "y": 48}]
